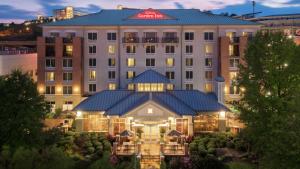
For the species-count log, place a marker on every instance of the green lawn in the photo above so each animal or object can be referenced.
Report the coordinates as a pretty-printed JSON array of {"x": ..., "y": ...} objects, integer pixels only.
[{"x": 240, "y": 165}]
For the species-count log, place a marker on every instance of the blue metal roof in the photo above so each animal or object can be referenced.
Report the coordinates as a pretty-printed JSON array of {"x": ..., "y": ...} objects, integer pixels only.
[
  {"x": 150, "y": 76},
  {"x": 181, "y": 102},
  {"x": 122, "y": 17}
]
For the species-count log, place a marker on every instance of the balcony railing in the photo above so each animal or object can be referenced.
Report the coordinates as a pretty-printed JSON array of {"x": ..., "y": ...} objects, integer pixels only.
[
  {"x": 67, "y": 40},
  {"x": 170, "y": 40},
  {"x": 235, "y": 40},
  {"x": 50, "y": 39},
  {"x": 17, "y": 52},
  {"x": 150, "y": 39},
  {"x": 130, "y": 40}
]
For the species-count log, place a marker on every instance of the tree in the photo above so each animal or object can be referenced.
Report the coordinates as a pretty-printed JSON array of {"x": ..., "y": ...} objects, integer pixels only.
[
  {"x": 21, "y": 110},
  {"x": 269, "y": 107}
]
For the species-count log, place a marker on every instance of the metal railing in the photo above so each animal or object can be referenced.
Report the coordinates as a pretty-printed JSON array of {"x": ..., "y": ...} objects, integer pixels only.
[
  {"x": 67, "y": 40},
  {"x": 150, "y": 39},
  {"x": 50, "y": 39},
  {"x": 130, "y": 40},
  {"x": 17, "y": 52},
  {"x": 170, "y": 40},
  {"x": 235, "y": 40}
]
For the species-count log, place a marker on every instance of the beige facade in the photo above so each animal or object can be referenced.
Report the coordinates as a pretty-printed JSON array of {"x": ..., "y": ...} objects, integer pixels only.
[{"x": 11, "y": 60}]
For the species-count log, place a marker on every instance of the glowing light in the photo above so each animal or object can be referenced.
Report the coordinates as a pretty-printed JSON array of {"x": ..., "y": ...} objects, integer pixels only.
[
  {"x": 78, "y": 114},
  {"x": 222, "y": 114},
  {"x": 150, "y": 111},
  {"x": 290, "y": 36},
  {"x": 58, "y": 89},
  {"x": 41, "y": 89},
  {"x": 285, "y": 65},
  {"x": 268, "y": 93},
  {"x": 243, "y": 89},
  {"x": 150, "y": 14},
  {"x": 76, "y": 89}
]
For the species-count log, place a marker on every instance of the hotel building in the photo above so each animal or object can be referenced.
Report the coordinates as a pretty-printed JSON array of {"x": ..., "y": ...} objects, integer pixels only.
[{"x": 136, "y": 67}]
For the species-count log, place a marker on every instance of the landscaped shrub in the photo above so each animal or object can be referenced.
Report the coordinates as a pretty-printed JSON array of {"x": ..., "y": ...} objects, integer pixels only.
[{"x": 90, "y": 150}]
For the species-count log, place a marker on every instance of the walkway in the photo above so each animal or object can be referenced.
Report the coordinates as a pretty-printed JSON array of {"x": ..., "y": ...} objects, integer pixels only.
[{"x": 150, "y": 156}]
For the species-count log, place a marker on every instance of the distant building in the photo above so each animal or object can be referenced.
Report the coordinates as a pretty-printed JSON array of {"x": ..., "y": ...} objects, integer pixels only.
[
  {"x": 288, "y": 23},
  {"x": 22, "y": 58},
  {"x": 67, "y": 13}
]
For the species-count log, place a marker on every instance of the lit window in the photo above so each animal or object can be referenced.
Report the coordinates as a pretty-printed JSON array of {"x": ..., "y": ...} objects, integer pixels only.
[
  {"x": 189, "y": 62},
  {"x": 231, "y": 34},
  {"x": 50, "y": 76},
  {"x": 111, "y": 62},
  {"x": 150, "y": 111},
  {"x": 130, "y": 49},
  {"x": 130, "y": 62},
  {"x": 208, "y": 62},
  {"x": 68, "y": 50},
  {"x": 234, "y": 62},
  {"x": 111, "y": 49},
  {"x": 170, "y": 86},
  {"x": 209, "y": 49},
  {"x": 208, "y": 87},
  {"x": 208, "y": 75},
  {"x": 232, "y": 75},
  {"x": 112, "y": 86},
  {"x": 130, "y": 86},
  {"x": 92, "y": 75},
  {"x": 130, "y": 74},
  {"x": 170, "y": 62}
]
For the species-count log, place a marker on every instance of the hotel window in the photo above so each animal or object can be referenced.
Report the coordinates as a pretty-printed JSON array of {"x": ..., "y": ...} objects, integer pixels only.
[
  {"x": 111, "y": 62},
  {"x": 92, "y": 75},
  {"x": 51, "y": 104},
  {"x": 208, "y": 62},
  {"x": 206, "y": 123},
  {"x": 189, "y": 49},
  {"x": 208, "y": 36},
  {"x": 189, "y": 62},
  {"x": 70, "y": 34},
  {"x": 92, "y": 36},
  {"x": 111, "y": 36},
  {"x": 50, "y": 63},
  {"x": 182, "y": 126},
  {"x": 189, "y": 86},
  {"x": 50, "y": 51},
  {"x": 50, "y": 89},
  {"x": 50, "y": 76},
  {"x": 92, "y": 87},
  {"x": 130, "y": 74},
  {"x": 67, "y": 76},
  {"x": 209, "y": 49},
  {"x": 189, "y": 74},
  {"x": 111, "y": 74},
  {"x": 92, "y": 62},
  {"x": 170, "y": 86},
  {"x": 208, "y": 87},
  {"x": 150, "y": 62},
  {"x": 54, "y": 34},
  {"x": 208, "y": 75},
  {"x": 233, "y": 75},
  {"x": 118, "y": 125},
  {"x": 231, "y": 35},
  {"x": 130, "y": 49},
  {"x": 67, "y": 63},
  {"x": 248, "y": 34},
  {"x": 68, "y": 50},
  {"x": 68, "y": 105},
  {"x": 150, "y": 49},
  {"x": 233, "y": 89},
  {"x": 170, "y": 75},
  {"x": 130, "y": 62},
  {"x": 95, "y": 122},
  {"x": 130, "y": 86},
  {"x": 189, "y": 35},
  {"x": 234, "y": 62},
  {"x": 170, "y": 49},
  {"x": 111, "y": 49},
  {"x": 67, "y": 89},
  {"x": 170, "y": 62},
  {"x": 111, "y": 86},
  {"x": 92, "y": 49},
  {"x": 234, "y": 50}
]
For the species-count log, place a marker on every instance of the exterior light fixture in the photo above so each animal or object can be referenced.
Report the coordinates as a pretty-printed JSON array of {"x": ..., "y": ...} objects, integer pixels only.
[
  {"x": 222, "y": 115},
  {"x": 78, "y": 114}
]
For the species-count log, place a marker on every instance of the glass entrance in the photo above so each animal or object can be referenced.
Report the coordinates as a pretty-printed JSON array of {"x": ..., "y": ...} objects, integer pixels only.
[{"x": 151, "y": 133}]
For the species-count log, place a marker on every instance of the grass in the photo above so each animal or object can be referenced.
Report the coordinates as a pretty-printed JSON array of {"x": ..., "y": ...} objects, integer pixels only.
[{"x": 240, "y": 165}]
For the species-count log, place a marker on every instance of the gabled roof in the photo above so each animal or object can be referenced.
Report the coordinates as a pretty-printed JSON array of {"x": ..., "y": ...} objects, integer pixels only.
[
  {"x": 109, "y": 17},
  {"x": 181, "y": 102},
  {"x": 150, "y": 76}
]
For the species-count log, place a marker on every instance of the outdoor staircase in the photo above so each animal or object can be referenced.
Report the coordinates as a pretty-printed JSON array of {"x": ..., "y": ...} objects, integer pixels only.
[{"x": 150, "y": 162}]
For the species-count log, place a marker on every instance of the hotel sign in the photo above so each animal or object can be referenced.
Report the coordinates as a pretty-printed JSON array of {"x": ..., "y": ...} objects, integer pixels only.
[{"x": 150, "y": 14}]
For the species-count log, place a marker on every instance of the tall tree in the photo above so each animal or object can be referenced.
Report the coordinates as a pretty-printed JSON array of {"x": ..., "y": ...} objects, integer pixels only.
[
  {"x": 21, "y": 110},
  {"x": 270, "y": 104}
]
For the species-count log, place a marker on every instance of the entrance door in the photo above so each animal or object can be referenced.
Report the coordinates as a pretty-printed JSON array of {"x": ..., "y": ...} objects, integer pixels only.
[{"x": 151, "y": 133}]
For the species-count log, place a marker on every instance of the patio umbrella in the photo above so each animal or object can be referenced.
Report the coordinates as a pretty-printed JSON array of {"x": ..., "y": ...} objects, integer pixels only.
[
  {"x": 126, "y": 133},
  {"x": 174, "y": 133}
]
